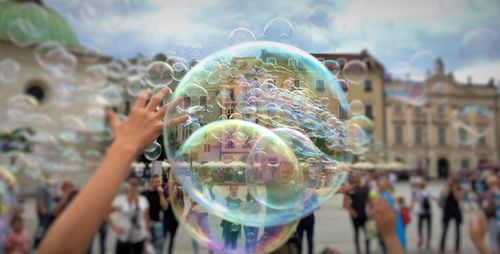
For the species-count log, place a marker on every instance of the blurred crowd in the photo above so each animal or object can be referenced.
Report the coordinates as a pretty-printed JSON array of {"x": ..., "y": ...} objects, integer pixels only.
[{"x": 144, "y": 221}]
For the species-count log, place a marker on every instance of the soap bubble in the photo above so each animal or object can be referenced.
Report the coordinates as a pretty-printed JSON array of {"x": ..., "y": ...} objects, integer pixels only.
[
  {"x": 153, "y": 151},
  {"x": 9, "y": 70},
  {"x": 355, "y": 72},
  {"x": 278, "y": 29},
  {"x": 54, "y": 58},
  {"x": 472, "y": 125},
  {"x": 221, "y": 235},
  {"x": 357, "y": 107},
  {"x": 240, "y": 35}
]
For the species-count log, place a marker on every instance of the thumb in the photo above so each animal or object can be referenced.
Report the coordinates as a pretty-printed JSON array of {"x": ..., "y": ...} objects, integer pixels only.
[{"x": 112, "y": 119}]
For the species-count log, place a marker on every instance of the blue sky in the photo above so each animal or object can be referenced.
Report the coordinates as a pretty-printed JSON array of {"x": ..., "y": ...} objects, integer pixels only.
[{"x": 406, "y": 36}]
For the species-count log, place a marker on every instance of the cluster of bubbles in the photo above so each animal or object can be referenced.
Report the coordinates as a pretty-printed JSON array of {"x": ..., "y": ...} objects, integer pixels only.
[
  {"x": 472, "y": 125},
  {"x": 267, "y": 120}
]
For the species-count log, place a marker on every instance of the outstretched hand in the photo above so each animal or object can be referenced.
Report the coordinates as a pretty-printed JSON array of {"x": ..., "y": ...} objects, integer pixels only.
[
  {"x": 145, "y": 121},
  {"x": 477, "y": 232},
  {"x": 385, "y": 217}
]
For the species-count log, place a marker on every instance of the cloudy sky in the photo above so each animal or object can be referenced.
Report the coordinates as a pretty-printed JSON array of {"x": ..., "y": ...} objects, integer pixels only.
[{"x": 406, "y": 36}]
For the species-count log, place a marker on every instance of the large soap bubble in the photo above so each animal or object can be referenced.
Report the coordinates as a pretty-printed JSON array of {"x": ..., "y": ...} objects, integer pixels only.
[
  {"x": 267, "y": 85},
  {"x": 224, "y": 236}
]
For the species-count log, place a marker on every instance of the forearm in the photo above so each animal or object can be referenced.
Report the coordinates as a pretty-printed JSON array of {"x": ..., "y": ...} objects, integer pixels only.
[
  {"x": 481, "y": 247},
  {"x": 393, "y": 245},
  {"x": 163, "y": 202},
  {"x": 93, "y": 203}
]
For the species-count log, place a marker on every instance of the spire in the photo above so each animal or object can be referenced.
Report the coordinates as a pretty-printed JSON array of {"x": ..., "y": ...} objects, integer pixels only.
[{"x": 439, "y": 66}]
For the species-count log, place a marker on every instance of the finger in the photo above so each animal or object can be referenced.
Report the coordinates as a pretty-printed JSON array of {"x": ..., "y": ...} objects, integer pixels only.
[
  {"x": 157, "y": 98},
  {"x": 113, "y": 120},
  {"x": 176, "y": 103},
  {"x": 161, "y": 113},
  {"x": 178, "y": 120},
  {"x": 142, "y": 99}
]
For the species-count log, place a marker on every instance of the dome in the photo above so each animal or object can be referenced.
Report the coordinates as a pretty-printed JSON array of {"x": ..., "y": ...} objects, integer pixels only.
[{"x": 42, "y": 21}]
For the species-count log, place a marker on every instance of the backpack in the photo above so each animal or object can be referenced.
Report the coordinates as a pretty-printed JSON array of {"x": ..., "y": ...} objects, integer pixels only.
[
  {"x": 405, "y": 213},
  {"x": 426, "y": 205}
]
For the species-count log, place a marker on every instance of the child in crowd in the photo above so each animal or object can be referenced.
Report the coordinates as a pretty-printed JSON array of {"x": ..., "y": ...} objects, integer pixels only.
[
  {"x": 18, "y": 241},
  {"x": 405, "y": 211}
]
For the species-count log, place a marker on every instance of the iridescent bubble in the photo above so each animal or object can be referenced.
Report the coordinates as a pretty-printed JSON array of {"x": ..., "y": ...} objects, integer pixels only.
[
  {"x": 159, "y": 74},
  {"x": 55, "y": 59},
  {"x": 357, "y": 107},
  {"x": 9, "y": 71},
  {"x": 480, "y": 43},
  {"x": 214, "y": 232},
  {"x": 135, "y": 85},
  {"x": 472, "y": 125},
  {"x": 25, "y": 32},
  {"x": 153, "y": 151},
  {"x": 180, "y": 69},
  {"x": 355, "y": 71},
  {"x": 278, "y": 29},
  {"x": 332, "y": 65},
  {"x": 96, "y": 75},
  {"x": 240, "y": 35}
]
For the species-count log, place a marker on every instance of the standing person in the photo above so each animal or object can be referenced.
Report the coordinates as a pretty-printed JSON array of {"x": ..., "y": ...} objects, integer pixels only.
[
  {"x": 452, "y": 194},
  {"x": 414, "y": 183},
  {"x": 355, "y": 202},
  {"x": 170, "y": 222},
  {"x": 306, "y": 224},
  {"x": 231, "y": 231},
  {"x": 18, "y": 241},
  {"x": 197, "y": 215},
  {"x": 405, "y": 211},
  {"x": 251, "y": 233},
  {"x": 489, "y": 206},
  {"x": 133, "y": 218},
  {"x": 422, "y": 202},
  {"x": 157, "y": 203},
  {"x": 44, "y": 205},
  {"x": 384, "y": 189}
]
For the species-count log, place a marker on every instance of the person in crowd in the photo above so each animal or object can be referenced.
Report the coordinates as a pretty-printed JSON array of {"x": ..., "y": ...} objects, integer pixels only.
[
  {"x": 170, "y": 222},
  {"x": 103, "y": 233},
  {"x": 231, "y": 231},
  {"x": 251, "y": 233},
  {"x": 393, "y": 178},
  {"x": 157, "y": 203},
  {"x": 422, "y": 202},
  {"x": 452, "y": 195},
  {"x": 18, "y": 241},
  {"x": 490, "y": 206},
  {"x": 197, "y": 215},
  {"x": 133, "y": 219},
  {"x": 68, "y": 193},
  {"x": 384, "y": 190},
  {"x": 415, "y": 180},
  {"x": 355, "y": 202},
  {"x": 404, "y": 210},
  {"x": 306, "y": 224},
  {"x": 44, "y": 204}
]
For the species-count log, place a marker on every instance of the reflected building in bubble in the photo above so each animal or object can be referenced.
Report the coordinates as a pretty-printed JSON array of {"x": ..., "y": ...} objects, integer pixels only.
[{"x": 440, "y": 125}]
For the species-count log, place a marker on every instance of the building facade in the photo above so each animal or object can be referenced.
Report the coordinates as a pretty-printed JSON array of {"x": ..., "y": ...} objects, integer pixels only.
[{"x": 440, "y": 125}]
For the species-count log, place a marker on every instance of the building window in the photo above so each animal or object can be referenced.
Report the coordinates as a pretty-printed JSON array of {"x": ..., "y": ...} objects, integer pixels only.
[
  {"x": 398, "y": 109},
  {"x": 204, "y": 101},
  {"x": 247, "y": 144},
  {"x": 464, "y": 164},
  {"x": 399, "y": 134},
  {"x": 229, "y": 112},
  {"x": 418, "y": 110},
  {"x": 292, "y": 62},
  {"x": 369, "y": 111},
  {"x": 482, "y": 139},
  {"x": 229, "y": 144},
  {"x": 442, "y": 135},
  {"x": 206, "y": 148},
  {"x": 440, "y": 110},
  {"x": 296, "y": 82},
  {"x": 368, "y": 85},
  {"x": 320, "y": 85},
  {"x": 419, "y": 134},
  {"x": 462, "y": 136},
  {"x": 271, "y": 60}
]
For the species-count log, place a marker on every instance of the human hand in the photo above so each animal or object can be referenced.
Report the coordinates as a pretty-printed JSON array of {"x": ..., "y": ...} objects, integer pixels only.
[
  {"x": 118, "y": 230},
  {"x": 385, "y": 217},
  {"x": 159, "y": 189},
  {"x": 145, "y": 121}
]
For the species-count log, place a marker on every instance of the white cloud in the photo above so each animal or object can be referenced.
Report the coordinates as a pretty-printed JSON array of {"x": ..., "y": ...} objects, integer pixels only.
[{"x": 480, "y": 72}]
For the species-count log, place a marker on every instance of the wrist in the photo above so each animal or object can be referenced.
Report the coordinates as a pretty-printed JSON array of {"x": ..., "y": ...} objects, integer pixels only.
[
  {"x": 126, "y": 148},
  {"x": 390, "y": 237}
]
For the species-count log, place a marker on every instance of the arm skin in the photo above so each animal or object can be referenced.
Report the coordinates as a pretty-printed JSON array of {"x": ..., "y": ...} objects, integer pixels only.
[
  {"x": 385, "y": 218},
  {"x": 348, "y": 206},
  {"x": 478, "y": 231},
  {"x": 163, "y": 200},
  {"x": 74, "y": 229}
]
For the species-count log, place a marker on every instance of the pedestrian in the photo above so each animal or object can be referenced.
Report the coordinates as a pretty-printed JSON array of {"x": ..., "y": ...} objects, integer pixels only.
[
  {"x": 489, "y": 206},
  {"x": 44, "y": 204},
  {"x": 423, "y": 206},
  {"x": 415, "y": 180},
  {"x": 170, "y": 222},
  {"x": 197, "y": 215},
  {"x": 355, "y": 202},
  {"x": 18, "y": 241},
  {"x": 404, "y": 210},
  {"x": 231, "y": 231},
  {"x": 132, "y": 220},
  {"x": 384, "y": 189},
  {"x": 452, "y": 194},
  {"x": 157, "y": 203},
  {"x": 251, "y": 233}
]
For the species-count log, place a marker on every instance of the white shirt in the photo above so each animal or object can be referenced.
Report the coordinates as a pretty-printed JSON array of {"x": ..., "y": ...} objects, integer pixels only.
[
  {"x": 125, "y": 213},
  {"x": 420, "y": 195}
]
